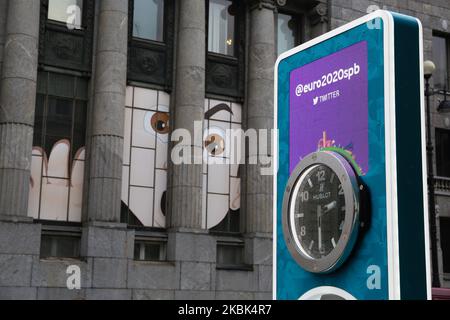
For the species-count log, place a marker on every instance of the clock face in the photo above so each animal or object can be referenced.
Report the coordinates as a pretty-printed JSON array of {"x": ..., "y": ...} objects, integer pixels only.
[
  {"x": 318, "y": 210},
  {"x": 321, "y": 211}
]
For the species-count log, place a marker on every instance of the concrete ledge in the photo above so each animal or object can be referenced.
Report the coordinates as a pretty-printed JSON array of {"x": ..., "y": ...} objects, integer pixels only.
[
  {"x": 15, "y": 270},
  {"x": 258, "y": 251},
  {"x": 153, "y": 294},
  {"x": 20, "y": 238},
  {"x": 53, "y": 273},
  {"x": 153, "y": 275},
  {"x": 109, "y": 273},
  {"x": 15, "y": 219},
  {"x": 195, "y": 276},
  {"x": 241, "y": 281},
  {"x": 230, "y": 295},
  {"x": 60, "y": 294},
  {"x": 104, "y": 242},
  {"x": 195, "y": 247},
  {"x": 194, "y": 295},
  {"x": 108, "y": 294},
  {"x": 16, "y": 293}
]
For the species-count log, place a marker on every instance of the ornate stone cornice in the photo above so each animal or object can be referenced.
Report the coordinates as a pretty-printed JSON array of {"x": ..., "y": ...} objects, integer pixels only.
[
  {"x": 261, "y": 4},
  {"x": 319, "y": 14}
]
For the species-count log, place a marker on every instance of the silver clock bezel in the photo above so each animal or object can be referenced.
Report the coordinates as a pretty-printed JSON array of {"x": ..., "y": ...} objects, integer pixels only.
[{"x": 341, "y": 167}]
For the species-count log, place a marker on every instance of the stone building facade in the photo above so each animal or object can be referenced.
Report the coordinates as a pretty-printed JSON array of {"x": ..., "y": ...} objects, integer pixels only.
[
  {"x": 91, "y": 204},
  {"x": 91, "y": 95}
]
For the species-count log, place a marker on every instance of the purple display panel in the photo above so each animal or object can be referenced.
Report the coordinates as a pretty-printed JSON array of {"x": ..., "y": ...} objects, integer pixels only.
[{"x": 329, "y": 106}]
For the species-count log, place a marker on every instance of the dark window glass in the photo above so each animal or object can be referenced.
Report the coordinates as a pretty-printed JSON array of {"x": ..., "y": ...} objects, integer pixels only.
[
  {"x": 66, "y": 11},
  {"x": 443, "y": 152},
  {"x": 440, "y": 58},
  {"x": 221, "y": 21},
  {"x": 150, "y": 251},
  {"x": 286, "y": 34},
  {"x": 148, "y": 19},
  {"x": 79, "y": 126},
  {"x": 445, "y": 242},
  {"x": 230, "y": 254},
  {"x": 38, "y": 120},
  {"x": 60, "y": 246}
]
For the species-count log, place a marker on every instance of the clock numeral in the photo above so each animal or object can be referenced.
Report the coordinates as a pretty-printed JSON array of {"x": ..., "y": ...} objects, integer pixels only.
[
  {"x": 321, "y": 175},
  {"x": 311, "y": 244},
  {"x": 341, "y": 190},
  {"x": 304, "y": 196},
  {"x": 303, "y": 231},
  {"x": 333, "y": 242}
]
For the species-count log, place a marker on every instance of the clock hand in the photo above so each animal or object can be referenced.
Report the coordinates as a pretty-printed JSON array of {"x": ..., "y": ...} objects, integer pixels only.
[
  {"x": 319, "y": 226},
  {"x": 329, "y": 207}
]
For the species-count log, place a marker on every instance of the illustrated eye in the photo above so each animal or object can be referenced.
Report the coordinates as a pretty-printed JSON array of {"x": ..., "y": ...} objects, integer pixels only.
[
  {"x": 160, "y": 122},
  {"x": 214, "y": 144}
]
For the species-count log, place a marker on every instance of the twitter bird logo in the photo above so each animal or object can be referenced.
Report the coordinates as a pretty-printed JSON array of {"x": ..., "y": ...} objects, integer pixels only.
[{"x": 316, "y": 100}]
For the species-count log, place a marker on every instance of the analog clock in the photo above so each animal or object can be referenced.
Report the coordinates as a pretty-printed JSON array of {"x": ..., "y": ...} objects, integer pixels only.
[{"x": 321, "y": 211}]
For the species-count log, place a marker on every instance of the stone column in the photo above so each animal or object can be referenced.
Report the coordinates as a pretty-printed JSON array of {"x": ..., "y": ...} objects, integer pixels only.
[
  {"x": 185, "y": 180},
  {"x": 106, "y": 140},
  {"x": 3, "y": 11},
  {"x": 258, "y": 188},
  {"x": 17, "y": 104}
]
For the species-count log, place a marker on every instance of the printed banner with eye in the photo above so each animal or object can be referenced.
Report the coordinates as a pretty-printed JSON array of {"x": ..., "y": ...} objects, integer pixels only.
[
  {"x": 146, "y": 138},
  {"x": 221, "y": 180}
]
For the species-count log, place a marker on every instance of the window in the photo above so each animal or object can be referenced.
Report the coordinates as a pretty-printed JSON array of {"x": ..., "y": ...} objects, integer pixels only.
[
  {"x": 146, "y": 140},
  {"x": 441, "y": 59},
  {"x": 149, "y": 251},
  {"x": 230, "y": 254},
  {"x": 148, "y": 19},
  {"x": 57, "y": 167},
  {"x": 221, "y": 27},
  {"x": 150, "y": 246},
  {"x": 66, "y": 11},
  {"x": 443, "y": 152},
  {"x": 60, "y": 242},
  {"x": 445, "y": 242},
  {"x": 286, "y": 32},
  {"x": 221, "y": 174}
]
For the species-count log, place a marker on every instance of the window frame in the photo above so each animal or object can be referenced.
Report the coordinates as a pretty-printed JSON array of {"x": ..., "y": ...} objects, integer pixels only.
[
  {"x": 64, "y": 230},
  {"x": 61, "y": 23},
  {"x": 234, "y": 242},
  {"x": 150, "y": 62},
  {"x": 43, "y": 90},
  {"x": 298, "y": 31},
  {"x": 153, "y": 236},
  {"x": 62, "y": 48},
  {"x": 231, "y": 67},
  {"x": 446, "y": 37},
  {"x": 444, "y": 266},
  {"x": 144, "y": 40},
  {"x": 235, "y": 35},
  {"x": 437, "y": 134}
]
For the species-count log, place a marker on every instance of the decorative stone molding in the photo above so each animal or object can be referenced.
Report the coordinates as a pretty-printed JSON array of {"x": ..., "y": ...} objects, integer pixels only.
[
  {"x": 318, "y": 15},
  {"x": 442, "y": 186},
  {"x": 261, "y": 4}
]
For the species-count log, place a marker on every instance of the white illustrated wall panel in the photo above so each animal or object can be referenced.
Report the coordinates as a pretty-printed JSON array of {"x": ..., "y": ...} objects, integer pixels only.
[
  {"x": 221, "y": 178},
  {"x": 144, "y": 177}
]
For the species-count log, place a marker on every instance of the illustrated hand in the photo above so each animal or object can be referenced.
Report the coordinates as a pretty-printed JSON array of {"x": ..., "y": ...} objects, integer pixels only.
[{"x": 52, "y": 195}]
